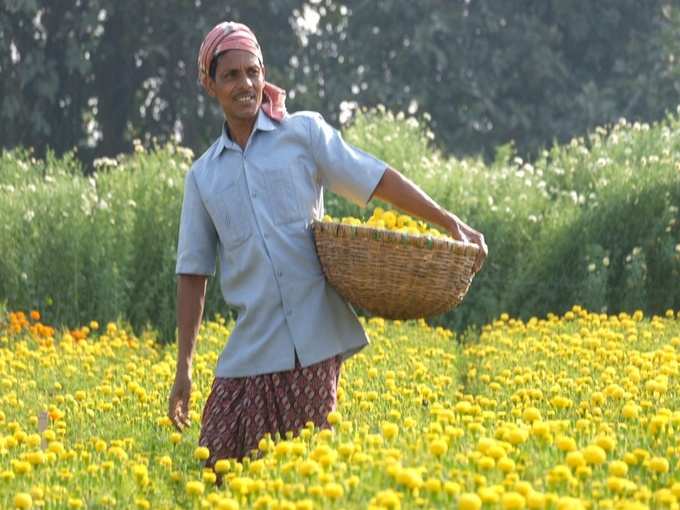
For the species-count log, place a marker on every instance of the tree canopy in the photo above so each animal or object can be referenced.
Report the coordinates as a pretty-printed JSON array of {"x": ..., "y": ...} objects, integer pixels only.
[{"x": 95, "y": 74}]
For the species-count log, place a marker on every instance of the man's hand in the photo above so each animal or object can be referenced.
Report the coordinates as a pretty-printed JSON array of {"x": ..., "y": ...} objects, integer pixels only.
[
  {"x": 178, "y": 407},
  {"x": 467, "y": 234}
]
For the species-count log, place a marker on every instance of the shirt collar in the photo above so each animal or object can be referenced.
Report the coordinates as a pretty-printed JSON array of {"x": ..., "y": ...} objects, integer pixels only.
[{"x": 262, "y": 123}]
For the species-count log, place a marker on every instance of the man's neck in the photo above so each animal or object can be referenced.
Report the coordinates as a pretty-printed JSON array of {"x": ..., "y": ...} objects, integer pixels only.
[{"x": 239, "y": 130}]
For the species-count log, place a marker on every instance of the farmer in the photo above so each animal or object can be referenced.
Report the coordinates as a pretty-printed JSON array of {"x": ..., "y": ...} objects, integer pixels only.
[{"x": 250, "y": 199}]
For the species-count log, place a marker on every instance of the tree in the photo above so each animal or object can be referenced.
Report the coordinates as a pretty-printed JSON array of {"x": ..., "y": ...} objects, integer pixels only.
[{"x": 529, "y": 71}]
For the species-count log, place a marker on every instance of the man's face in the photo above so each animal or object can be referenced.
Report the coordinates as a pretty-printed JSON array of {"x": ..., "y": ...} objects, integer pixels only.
[{"x": 238, "y": 85}]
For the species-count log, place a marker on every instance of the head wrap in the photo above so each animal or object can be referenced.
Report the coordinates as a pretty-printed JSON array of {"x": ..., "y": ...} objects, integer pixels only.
[{"x": 236, "y": 36}]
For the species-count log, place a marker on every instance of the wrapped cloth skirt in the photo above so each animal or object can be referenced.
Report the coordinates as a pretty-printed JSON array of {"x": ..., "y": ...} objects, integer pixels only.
[{"x": 241, "y": 410}]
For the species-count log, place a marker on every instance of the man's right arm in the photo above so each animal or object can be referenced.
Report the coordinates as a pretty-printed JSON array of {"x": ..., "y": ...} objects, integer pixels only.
[{"x": 190, "y": 302}]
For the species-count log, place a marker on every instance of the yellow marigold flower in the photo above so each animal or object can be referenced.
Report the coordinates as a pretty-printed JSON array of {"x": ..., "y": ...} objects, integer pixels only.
[
  {"x": 540, "y": 429},
  {"x": 409, "y": 477},
  {"x": 333, "y": 490},
  {"x": 512, "y": 501},
  {"x": 346, "y": 449},
  {"x": 140, "y": 472},
  {"x": 536, "y": 500},
  {"x": 594, "y": 454},
  {"x": 659, "y": 465},
  {"x": 452, "y": 488},
  {"x": 75, "y": 503},
  {"x": 209, "y": 476},
  {"x": 607, "y": 443},
  {"x": 23, "y": 501},
  {"x": 21, "y": 467},
  {"x": 438, "y": 447},
  {"x": 566, "y": 443},
  {"x": 469, "y": 501},
  {"x": 388, "y": 499},
  {"x": 675, "y": 489},
  {"x": 433, "y": 485},
  {"x": 618, "y": 468},
  {"x": 489, "y": 495},
  {"x": 390, "y": 430},
  {"x": 334, "y": 417},
  {"x": 517, "y": 436},
  {"x": 222, "y": 466},
  {"x": 485, "y": 463},
  {"x": 227, "y": 504},
  {"x": 531, "y": 414},
  {"x": 630, "y": 411},
  {"x": 142, "y": 503},
  {"x": 201, "y": 453},
  {"x": 36, "y": 458},
  {"x": 390, "y": 219},
  {"x": 195, "y": 488},
  {"x": 165, "y": 461},
  {"x": 175, "y": 437},
  {"x": 164, "y": 421},
  {"x": 304, "y": 504},
  {"x": 506, "y": 464},
  {"x": 567, "y": 503},
  {"x": 308, "y": 467}
]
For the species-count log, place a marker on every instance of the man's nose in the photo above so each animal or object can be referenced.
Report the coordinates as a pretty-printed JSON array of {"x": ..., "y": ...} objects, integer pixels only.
[{"x": 245, "y": 80}]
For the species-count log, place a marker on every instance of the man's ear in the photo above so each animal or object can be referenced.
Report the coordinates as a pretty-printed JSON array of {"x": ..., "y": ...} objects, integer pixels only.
[{"x": 210, "y": 87}]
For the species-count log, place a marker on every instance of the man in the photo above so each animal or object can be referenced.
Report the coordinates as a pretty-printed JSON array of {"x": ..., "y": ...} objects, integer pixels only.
[{"x": 250, "y": 199}]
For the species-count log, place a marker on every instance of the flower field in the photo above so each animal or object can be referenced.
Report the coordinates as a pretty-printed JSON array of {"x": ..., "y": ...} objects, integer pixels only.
[{"x": 577, "y": 411}]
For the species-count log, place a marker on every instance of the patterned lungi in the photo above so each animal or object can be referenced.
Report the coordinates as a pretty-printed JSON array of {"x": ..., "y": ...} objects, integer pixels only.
[{"x": 241, "y": 410}]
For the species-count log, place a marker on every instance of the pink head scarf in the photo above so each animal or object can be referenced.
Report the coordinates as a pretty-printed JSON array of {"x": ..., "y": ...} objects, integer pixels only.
[{"x": 236, "y": 36}]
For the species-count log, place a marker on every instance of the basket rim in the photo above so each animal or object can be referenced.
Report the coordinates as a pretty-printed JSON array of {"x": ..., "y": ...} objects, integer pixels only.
[{"x": 380, "y": 234}]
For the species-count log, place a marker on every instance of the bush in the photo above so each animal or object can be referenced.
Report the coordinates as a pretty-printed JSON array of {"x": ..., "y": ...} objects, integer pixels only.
[{"x": 593, "y": 222}]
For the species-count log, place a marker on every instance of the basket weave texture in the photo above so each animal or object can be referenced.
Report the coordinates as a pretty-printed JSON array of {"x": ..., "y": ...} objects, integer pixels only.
[{"x": 391, "y": 274}]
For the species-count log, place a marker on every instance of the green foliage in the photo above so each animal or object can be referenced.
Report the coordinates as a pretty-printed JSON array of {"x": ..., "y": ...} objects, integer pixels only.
[
  {"x": 100, "y": 247},
  {"x": 594, "y": 222}
]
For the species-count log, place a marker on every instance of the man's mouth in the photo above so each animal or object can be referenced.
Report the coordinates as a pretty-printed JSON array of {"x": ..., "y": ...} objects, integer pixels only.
[{"x": 245, "y": 100}]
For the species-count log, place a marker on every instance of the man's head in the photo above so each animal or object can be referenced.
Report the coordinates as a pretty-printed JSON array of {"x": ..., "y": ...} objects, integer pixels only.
[{"x": 231, "y": 69}]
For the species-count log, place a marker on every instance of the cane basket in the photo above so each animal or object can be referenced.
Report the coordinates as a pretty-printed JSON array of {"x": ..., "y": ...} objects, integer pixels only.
[{"x": 392, "y": 274}]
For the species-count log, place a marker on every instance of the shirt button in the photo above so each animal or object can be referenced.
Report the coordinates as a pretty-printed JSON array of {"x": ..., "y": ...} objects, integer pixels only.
[
  {"x": 280, "y": 273},
  {"x": 254, "y": 194}
]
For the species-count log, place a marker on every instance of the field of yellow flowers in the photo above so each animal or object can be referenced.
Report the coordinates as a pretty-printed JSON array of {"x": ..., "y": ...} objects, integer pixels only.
[{"x": 577, "y": 411}]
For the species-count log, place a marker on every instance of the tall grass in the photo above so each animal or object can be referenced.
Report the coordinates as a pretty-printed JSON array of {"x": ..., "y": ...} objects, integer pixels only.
[{"x": 593, "y": 222}]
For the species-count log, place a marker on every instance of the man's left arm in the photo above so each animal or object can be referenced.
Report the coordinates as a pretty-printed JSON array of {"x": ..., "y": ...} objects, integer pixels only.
[{"x": 404, "y": 194}]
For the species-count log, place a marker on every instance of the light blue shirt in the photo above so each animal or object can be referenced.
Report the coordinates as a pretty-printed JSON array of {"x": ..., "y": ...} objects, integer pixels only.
[{"x": 253, "y": 209}]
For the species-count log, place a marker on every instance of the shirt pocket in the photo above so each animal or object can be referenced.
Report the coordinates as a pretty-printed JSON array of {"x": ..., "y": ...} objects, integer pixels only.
[
  {"x": 283, "y": 200},
  {"x": 229, "y": 210}
]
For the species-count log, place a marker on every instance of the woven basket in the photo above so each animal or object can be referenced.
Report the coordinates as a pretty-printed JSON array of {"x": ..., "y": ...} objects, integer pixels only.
[{"x": 391, "y": 274}]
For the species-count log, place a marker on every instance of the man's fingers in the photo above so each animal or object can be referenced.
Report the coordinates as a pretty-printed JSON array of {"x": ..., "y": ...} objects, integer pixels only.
[{"x": 178, "y": 412}]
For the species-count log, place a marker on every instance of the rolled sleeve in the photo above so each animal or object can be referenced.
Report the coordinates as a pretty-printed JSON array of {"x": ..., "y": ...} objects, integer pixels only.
[
  {"x": 197, "y": 244},
  {"x": 345, "y": 169}
]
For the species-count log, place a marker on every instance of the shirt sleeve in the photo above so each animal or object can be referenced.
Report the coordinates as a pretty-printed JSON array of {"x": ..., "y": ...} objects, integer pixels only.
[
  {"x": 344, "y": 169},
  {"x": 197, "y": 244}
]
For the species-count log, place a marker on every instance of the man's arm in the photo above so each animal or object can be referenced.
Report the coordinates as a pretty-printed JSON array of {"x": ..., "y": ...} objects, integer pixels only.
[
  {"x": 190, "y": 303},
  {"x": 403, "y": 194}
]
